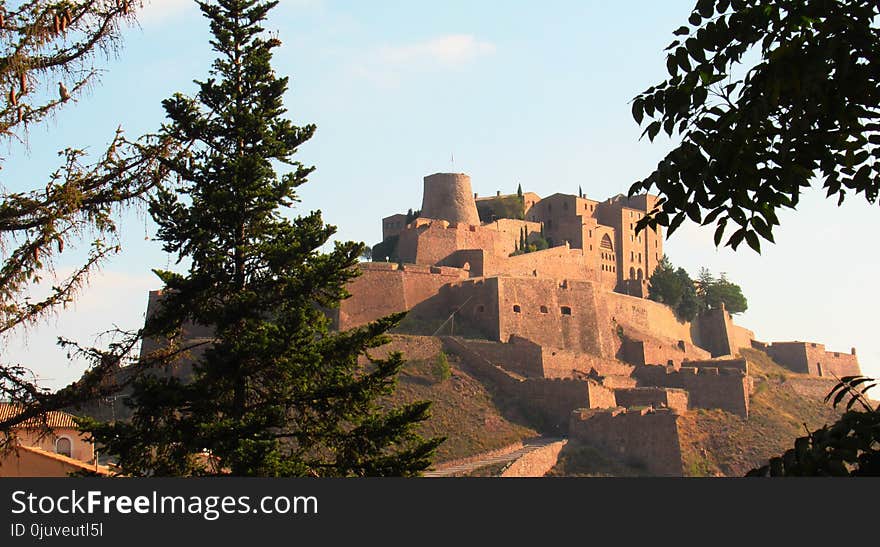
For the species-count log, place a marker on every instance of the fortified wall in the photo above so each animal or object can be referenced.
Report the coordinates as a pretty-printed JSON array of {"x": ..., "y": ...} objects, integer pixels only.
[
  {"x": 812, "y": 358},
  {"x": 646, "y": 438},
  {"x": 384, "y": 288}
]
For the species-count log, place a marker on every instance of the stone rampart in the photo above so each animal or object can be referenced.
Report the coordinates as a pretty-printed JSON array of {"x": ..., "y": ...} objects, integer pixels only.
[{"x": 646, "y": 438}]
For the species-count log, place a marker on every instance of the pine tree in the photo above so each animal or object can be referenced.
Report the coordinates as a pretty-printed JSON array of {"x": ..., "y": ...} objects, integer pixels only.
[
  {"x": 50, "y": 53},
  {"x": 276, "y": 393}
]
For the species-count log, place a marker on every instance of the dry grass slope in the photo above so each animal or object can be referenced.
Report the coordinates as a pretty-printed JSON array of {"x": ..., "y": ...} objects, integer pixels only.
[
  {"x": 462, "y": 410},
  {"x": 783, "y": 407}
]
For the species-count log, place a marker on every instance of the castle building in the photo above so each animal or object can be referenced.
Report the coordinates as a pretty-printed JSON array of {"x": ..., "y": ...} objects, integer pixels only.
[{"x": 454, "y": 229}]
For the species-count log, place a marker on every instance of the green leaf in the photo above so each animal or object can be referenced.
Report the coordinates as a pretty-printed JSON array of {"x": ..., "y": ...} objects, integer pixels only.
[
  {"x": 753, "y": 241},
  {"x": 719, "y": 231},
  {"x": 671, "y": 65},
  {"x": 676, "y": 222},
  {"x": 638, "y": 110},
  {"x": 762, "y": 228},
  {"x": 681, "y": 55},
  {"x": 706, "y": 8}
]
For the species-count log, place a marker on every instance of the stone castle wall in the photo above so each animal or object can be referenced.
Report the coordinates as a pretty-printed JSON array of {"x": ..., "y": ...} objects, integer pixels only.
[
  {"x": 646, "y": 439},
  {"x": 648, "y": 350},
  {"x": 812, "y": 358},
  {"x": 531, "y": 360},
  {"x": 548, "y": 401},
  {"x": 656, "y": 397},
  {"x": 726, "y": 388},
  {"x": 647, "y": 316},
  {"x": 536, "y": 463},
  {"x": 386, "y": 288},
  {"x": 557, "y": 314}
]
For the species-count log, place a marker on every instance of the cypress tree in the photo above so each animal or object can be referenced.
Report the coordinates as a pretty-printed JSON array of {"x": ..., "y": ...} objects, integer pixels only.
[{"x": 277, "y": 392}]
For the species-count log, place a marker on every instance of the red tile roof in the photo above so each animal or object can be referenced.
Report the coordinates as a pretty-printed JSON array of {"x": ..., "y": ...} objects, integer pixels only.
[{"x": 54, "y": 419}]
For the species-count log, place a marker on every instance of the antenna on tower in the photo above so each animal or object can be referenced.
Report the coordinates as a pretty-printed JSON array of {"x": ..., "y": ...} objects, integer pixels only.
[{"x": 452, "y": 159}]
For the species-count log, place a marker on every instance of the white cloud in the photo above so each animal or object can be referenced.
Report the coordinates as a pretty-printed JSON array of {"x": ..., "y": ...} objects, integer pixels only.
[
  {"x": 156, "y": 11},
  {"x": 451, "y": 50},
  {"x": 386, "y": 64}
]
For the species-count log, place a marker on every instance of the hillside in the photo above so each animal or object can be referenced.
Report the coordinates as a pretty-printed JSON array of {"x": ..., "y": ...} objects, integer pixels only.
[
  {"x": 784, "y": 405},
  {"x": 713, "y": 442},
  {"x": 462, "y": 411},
  {"x": 716, "y": 443}
]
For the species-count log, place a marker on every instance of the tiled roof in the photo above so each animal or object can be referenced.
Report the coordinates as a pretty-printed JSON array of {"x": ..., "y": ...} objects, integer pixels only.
[
  {"x": 99, "y": 469},
  {"x": 54, "y": 419}
]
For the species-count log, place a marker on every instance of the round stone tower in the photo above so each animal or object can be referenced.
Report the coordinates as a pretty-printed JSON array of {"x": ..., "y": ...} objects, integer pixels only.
[{"x": 448, "y": 196}]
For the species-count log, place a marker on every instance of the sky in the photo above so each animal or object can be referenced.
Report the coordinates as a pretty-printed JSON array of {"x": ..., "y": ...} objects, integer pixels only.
[{"x": 513, "y": 92}]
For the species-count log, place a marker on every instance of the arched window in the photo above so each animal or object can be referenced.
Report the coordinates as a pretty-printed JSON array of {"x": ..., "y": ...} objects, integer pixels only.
[
  {"x": 632, "y": 273},
  {"x": 517, "y": 308},
  {"x": 566, "y": 310},
  {"x": 544, "y": 309},
  {"x": 63, "y": 446},
  {"x": 639, "y": 274}
]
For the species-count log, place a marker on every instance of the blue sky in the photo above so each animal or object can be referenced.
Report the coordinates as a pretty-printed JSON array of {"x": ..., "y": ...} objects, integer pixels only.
[{"x": 518, "y": 92}]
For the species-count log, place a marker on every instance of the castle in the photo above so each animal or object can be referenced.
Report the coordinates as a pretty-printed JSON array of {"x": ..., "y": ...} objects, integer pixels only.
[
  {"x": 545, "y": 302},
  {"x": 566, "y": 330}
]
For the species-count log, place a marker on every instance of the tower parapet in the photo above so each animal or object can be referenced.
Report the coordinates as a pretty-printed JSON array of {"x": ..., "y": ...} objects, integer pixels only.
[{"x": 448, "y": 196}]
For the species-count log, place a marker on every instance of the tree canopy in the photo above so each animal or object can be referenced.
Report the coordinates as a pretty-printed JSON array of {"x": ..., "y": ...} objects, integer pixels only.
[
  {"x": 807, "y": 112},
  {"x": 49, "y": 53},
  {"x": 275, "y": 392},
  {"x": 675, "y": 288}
]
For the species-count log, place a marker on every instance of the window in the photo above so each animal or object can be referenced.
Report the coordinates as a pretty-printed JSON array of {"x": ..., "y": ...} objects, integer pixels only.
[
  {"x": 632, "y": 273},
  {"x": 639, "y": 273},
  {"x": 517, "y": 308},
  {"x": 632, "y": 237},
  {"x": 565, "y": 205},
  {"x": 63, "y": 446},
  {"x": 544, "y": 309},
  {"x": 481, "y": 309},
  {"x": 566, "y": 310},
  {"x": 632, "y": 256}
]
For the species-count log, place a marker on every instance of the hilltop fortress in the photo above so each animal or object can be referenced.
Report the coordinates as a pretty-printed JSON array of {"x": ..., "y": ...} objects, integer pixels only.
[
  {"x": 545, "y": 302},
  {"x": 566, "y": 331}
]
